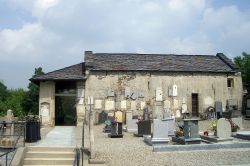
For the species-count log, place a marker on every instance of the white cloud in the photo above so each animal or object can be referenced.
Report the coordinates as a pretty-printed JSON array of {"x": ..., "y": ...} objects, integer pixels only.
[
  {"x": 41, "y": 6},
  {"x": 25, "y": 44},
  {"x": 62, "y": 30}
]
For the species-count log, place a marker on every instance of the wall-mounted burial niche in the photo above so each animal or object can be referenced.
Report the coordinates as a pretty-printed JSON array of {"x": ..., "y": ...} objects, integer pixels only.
[
  {"x": 98, "y": 104},
  {"x": 158, "y": 94},
  {"x": 45, "y": 109},
  {"x": 172, "y": 91},
  {"x": 109, "y": 105},
  {"x": 123, "y": 104}
]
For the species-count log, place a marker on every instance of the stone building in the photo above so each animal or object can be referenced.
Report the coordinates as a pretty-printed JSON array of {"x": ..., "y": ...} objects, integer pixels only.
[{"x": 120, "y": 81}]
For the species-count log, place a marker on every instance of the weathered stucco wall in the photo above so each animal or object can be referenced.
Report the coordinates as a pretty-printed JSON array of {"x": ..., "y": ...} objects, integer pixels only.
[
  {"x": 80, "y": 104},
  {"x": 47, "y": 103},
  {"x": 210, "y": 88}
]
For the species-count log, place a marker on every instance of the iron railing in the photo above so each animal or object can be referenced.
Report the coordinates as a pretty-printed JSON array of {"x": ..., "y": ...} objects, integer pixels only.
[
  {"x": 10, "y": 136},
  {"x": 77, "y": 157}
]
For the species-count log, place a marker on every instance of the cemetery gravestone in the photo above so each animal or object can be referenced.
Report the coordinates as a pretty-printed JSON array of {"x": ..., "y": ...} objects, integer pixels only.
[
  {"x": 103, "y": 116},
  {"x": 118, "y": 116},
  {"x": 160, "y": 133},
  {"x": 223, "y": 132},
  {"x": 223, "y": 128},
  {"x": 144, "y": 128},
  {"x": 132, "y": 125},
  {"x": 218, "y": 109},
  {"x": 191, "y": 133},
  {"x": 9, "y": 116},
  {"x": 116, "y": 130},
  {"x": 129, "y": 116},
  {"x": 171, "y": 125}
]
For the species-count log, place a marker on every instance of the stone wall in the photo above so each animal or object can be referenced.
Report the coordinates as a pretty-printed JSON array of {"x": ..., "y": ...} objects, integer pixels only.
[
  {"x": 80, "y": 106},
  {"x": 47, "y": 103},
  {"x": 209, "y": 87}
]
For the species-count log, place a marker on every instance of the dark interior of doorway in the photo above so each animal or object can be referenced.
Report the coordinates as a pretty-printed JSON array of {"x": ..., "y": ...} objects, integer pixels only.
[
  {"x": 65, "y": 104},
  {"x": 195, "y": 105}
]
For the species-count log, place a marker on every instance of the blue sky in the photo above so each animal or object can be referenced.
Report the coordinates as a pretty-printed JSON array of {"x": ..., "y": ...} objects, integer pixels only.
[{"x": 55, "y": 33}]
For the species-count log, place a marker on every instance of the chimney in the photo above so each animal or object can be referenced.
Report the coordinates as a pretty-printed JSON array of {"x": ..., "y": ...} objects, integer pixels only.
[{"x": 88, "y": 58}]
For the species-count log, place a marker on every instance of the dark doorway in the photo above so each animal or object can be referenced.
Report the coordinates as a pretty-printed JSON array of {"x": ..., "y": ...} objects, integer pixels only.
[
  {"x": 65, "y": 104},
  {"x": 195, "y": 105}
]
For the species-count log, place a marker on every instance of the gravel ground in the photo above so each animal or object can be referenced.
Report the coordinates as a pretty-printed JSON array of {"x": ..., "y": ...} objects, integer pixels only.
[{"x": 132, "y": 151}]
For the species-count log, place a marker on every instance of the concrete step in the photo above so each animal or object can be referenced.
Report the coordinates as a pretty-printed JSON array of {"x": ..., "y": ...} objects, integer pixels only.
[
  {"x": 49, "y": 154},
  {"x": 48, "y": 161},
  {"x": 47, "y": 165},
  {"x": 41, "y": 149}
]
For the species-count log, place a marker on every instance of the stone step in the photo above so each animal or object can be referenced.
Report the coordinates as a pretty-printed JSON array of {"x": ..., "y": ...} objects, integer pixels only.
[
  {"x": 48, "y": 161},
  {"x": 49, "y": 154},
  {"x": 41, "y": 149}
]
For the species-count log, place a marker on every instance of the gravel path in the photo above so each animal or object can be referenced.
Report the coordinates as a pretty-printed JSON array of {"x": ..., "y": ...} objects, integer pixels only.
[{"x": 132, "y": 151}]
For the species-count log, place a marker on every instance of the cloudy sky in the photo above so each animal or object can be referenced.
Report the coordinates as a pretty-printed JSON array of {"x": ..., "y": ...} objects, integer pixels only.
[{"x": 55, "y": 33}]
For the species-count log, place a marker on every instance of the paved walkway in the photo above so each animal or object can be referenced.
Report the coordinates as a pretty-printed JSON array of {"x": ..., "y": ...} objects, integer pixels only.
[{"x": 59, "y": 136}]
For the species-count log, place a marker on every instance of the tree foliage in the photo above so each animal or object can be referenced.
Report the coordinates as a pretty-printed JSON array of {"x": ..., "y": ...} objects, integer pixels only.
[
  {"x": 21, "y": 102},
  {"x": 3, "y": 91},
  {"x": 30, "y": 102},
  {"x": 13, "y": 102},
  {"x": 243, "y": 62}
]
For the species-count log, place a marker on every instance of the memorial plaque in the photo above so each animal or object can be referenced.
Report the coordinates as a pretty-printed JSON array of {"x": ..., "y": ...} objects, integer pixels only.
[
  {"x": 109, "y": 105},
  {"x": 143, "y": 104},
  {"x": 124, "y": 104},
  {"x": 98, "y": 104},
  {"x": 158, "y": 94}
]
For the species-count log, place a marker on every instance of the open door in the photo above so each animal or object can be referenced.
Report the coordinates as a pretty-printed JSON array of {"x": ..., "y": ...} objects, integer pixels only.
[
  {"x": 65, "y": 104},
  {"x": 195, "y": 105}
]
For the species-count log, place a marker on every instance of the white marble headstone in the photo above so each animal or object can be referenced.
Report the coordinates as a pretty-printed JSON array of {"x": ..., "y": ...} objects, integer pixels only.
[
  {"x": 109, "y": 105},
  {"x": 98, "y": 104},
  {"x": 223, "y": 128},
  {"x": 133, "y": 105},
  {"x": 124, "y": 104}
]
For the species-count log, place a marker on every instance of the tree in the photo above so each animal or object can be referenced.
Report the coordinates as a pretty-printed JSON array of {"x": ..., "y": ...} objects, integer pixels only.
[
  {"x": 13, "y": 102},
  {"x": 3, "y": 91},
  {"x": 30, "y": 102},
  {"x": 243, "y": 62}
]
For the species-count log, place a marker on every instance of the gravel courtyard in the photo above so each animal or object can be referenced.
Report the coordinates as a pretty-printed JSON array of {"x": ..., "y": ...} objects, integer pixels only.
[{"x": 132, "y": 151}]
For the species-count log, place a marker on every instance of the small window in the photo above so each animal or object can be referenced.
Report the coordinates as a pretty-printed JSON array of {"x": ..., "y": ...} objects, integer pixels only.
[{"x": 230, "y": 82}]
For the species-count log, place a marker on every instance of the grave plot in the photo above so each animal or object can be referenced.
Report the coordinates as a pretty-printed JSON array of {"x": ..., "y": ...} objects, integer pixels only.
[
  {"x": 191, "y": 133},
  {"x": 116, "y": 130},
  {"x": 144, "y": 128},
  {"x": 161, "y": 132},
  {"x": 245, "y": 135},
  {"x": 223, "y": 132}
]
